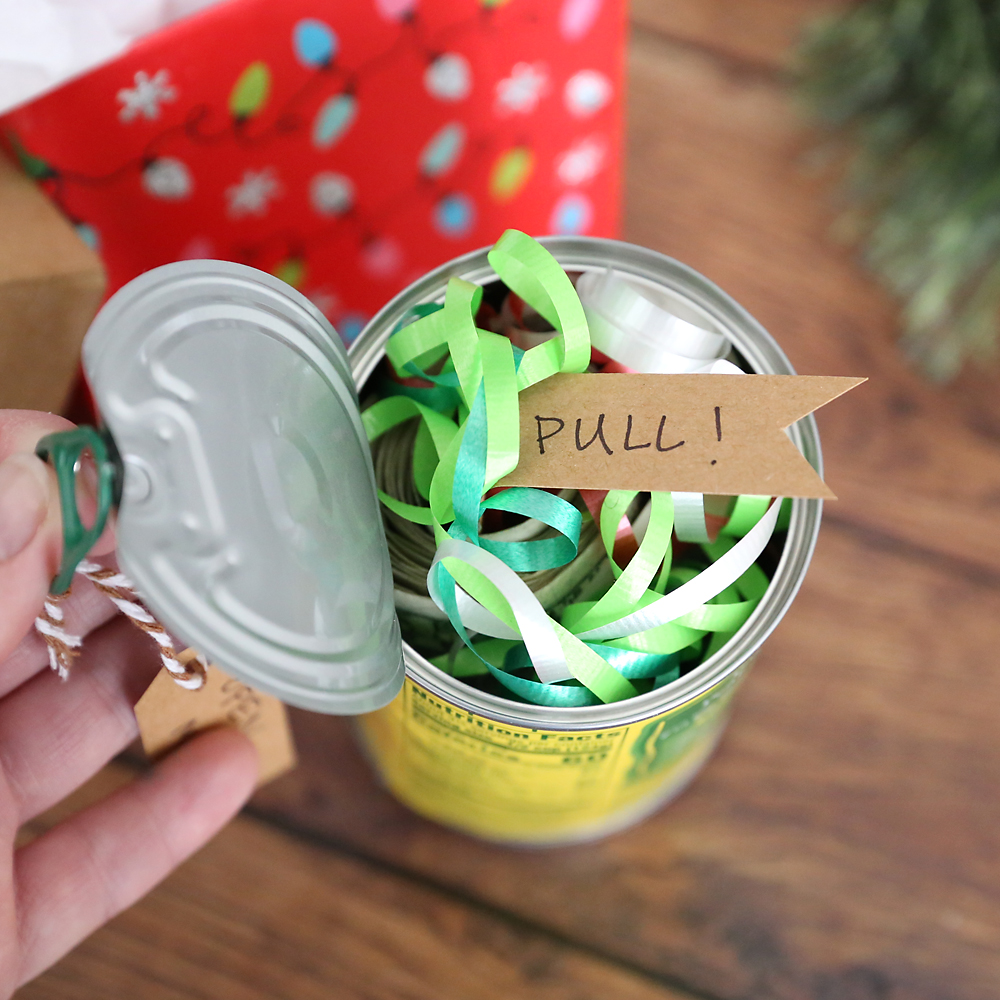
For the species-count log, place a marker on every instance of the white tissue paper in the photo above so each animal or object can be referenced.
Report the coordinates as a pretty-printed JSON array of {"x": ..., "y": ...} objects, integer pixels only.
[{"x": 45, "y": 42}]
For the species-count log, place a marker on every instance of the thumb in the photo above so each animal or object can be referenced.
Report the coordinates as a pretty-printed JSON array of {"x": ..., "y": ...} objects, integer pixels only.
[{"x": 30, "y": 522}]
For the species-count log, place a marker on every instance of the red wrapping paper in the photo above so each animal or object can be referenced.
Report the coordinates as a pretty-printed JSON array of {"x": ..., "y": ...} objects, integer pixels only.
[{"x": 345, "y": 147}]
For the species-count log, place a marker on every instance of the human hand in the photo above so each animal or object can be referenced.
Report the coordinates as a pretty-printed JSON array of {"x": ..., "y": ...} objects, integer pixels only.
[{"x": 55, "y": 735}]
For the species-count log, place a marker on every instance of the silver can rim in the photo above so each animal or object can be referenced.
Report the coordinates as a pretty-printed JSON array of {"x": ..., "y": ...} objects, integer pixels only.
[{"x": 761, "y": 351}]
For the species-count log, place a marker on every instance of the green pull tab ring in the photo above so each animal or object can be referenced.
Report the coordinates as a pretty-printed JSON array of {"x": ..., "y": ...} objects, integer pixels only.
[{"x": 65, "y": 449}]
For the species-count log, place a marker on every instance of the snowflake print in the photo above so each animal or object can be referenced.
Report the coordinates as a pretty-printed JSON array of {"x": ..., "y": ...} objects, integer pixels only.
[
  {"x": 146, "y": 96},
  {"x": 520, "y": 92},
  {"x": 167, "y": 178},
  {"x": 254, "y": 193},
  {"x": 582, "y": 161},
  {"x": 586, "y": 93}
]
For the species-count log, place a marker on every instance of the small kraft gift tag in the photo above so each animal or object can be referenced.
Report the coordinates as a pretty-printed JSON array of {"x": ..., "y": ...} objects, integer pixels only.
[{"x": 169, "y": 714}]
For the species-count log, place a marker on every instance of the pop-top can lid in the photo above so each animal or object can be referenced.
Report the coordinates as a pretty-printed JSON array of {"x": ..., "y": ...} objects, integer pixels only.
[{"x": 249, "y": 518}]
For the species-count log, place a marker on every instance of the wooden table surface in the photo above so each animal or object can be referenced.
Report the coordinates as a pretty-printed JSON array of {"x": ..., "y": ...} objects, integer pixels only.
[{"x": 844, "y": 843}]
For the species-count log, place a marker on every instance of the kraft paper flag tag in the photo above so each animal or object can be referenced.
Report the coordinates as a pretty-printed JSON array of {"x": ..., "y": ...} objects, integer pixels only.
[
  {"x": 168, "y": 714},
  {"x": 698, "y": 433}
]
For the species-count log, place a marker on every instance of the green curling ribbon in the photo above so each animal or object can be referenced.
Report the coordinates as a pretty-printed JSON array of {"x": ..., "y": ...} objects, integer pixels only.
[
  {"x": 452, "y": 326},
  {"x": 747, "y": 511},
  {"x": 530, "y": 271},
  {"x": 442, "y": 398},
  {"x": 442, "y": 432},
  {"x": 471, "y": 661},
  {"x": 439, "y": 352},
  {"x": 502, "y": 414},
  {"x": 468, "y": 440},
  {"x": 632, "y": 583}
]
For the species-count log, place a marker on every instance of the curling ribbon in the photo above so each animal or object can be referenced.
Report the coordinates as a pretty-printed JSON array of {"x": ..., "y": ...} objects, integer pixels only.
[
  {"x": 654, "y": 614},
  {"x": 640, "y": 329}
]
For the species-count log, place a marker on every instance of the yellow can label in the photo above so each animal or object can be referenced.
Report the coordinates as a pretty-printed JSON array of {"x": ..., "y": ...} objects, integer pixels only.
[{"x": 537, "y": 785}]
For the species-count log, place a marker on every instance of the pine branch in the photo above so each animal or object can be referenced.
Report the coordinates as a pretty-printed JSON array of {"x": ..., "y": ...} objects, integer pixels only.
[{"x": 914, "y": 87}]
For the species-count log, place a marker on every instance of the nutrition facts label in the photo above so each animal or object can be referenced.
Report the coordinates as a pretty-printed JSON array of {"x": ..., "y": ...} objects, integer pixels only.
[
  {"x": 427, "y": 710},
  {"x": 493, "y": 763},
  {"x": 466, "y": 769}
]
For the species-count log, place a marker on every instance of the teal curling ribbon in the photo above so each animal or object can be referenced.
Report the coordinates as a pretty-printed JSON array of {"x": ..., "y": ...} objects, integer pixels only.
[
  {"x": 541, "y": 553},
  {"x": 441, "y": 398}
]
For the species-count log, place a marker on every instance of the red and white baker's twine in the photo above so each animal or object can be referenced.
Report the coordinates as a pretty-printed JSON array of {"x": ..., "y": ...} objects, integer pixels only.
[{"x": 64, "y": 647}]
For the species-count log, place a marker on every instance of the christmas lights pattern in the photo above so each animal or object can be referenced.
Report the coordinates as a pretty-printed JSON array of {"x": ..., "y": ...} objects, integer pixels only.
[{"x": 346, "y": 148}]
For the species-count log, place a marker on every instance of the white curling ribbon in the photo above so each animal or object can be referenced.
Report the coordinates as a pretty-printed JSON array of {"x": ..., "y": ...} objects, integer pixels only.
[
  {"x": 640, "y": 329},
  {"x": 707, "y": 584},
  {"x": 534, "y": 624},
  {"x": 644, "y": 329},
  {"x": 720, "y": 367},
  {"x": 689, "y": 517}
]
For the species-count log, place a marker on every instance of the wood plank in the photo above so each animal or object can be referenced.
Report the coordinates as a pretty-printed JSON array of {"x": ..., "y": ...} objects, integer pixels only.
[
  {"x": 843, "y": 842},
  {"x": 753, "y": 31},
  {"x": 261, "y": 914},
  {"x": 717, "y": 178}
]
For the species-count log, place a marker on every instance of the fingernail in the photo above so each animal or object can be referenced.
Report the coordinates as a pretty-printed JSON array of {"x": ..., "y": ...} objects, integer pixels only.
[{"x": 23, "y": 503}]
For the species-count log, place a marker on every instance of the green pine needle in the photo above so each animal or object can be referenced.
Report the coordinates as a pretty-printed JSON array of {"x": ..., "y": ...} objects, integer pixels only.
[{"x": 915, "y": 86}]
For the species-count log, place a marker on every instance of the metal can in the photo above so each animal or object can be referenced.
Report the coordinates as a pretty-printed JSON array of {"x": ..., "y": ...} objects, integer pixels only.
[
  {"x": 248, "y": 518},
  {"x": 536, "y": 775}
]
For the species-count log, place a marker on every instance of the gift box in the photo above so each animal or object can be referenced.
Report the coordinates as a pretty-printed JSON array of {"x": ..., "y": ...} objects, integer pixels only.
[
  {"x": 345, "y": 148},
  {"x": 50, "y": 288}
]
